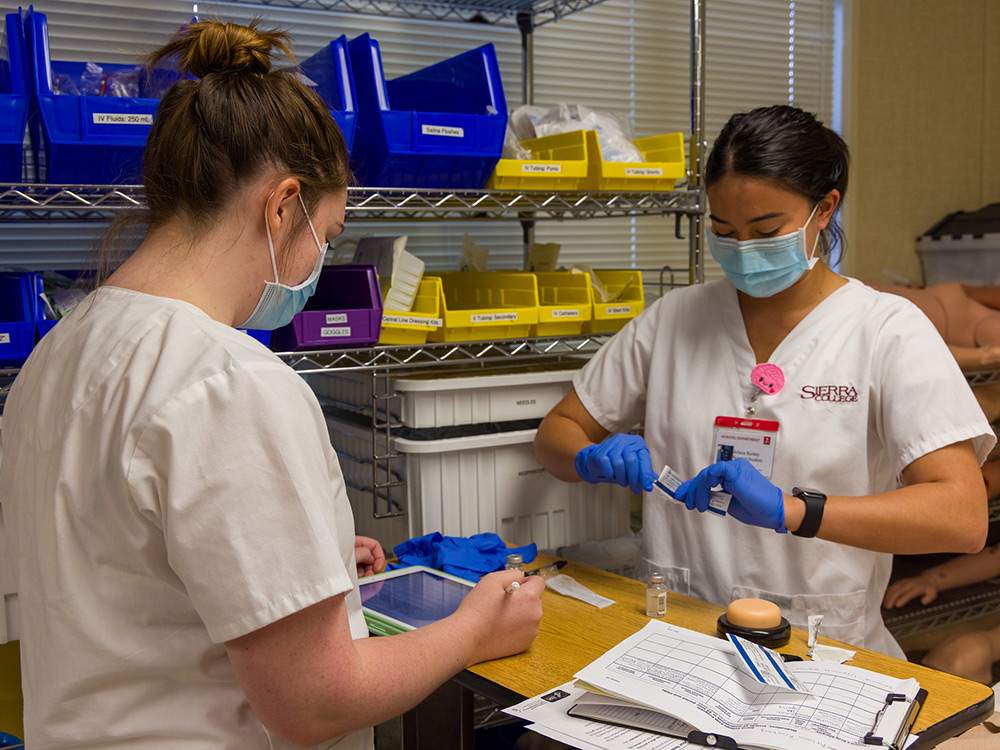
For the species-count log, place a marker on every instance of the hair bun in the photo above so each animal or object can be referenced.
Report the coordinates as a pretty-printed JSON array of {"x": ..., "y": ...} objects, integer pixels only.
[{"x": 208, "y": 47}]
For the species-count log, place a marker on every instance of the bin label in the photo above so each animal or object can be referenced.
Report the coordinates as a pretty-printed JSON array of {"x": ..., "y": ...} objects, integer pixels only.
[
  {"x": 334, "y": 318},
  {"x": 121, "y": 118},
  {"x": 4, "y": 338},
  {"x": 446, "y": 130},
  {"x": 542, "y": 168},
  {"x": 620, "y": 310},
  {"x": 410, "y": 320},
  {"x": 493, "y": 317},
  {"x": 574, "y": 313},
  {"x": 328, "y": 332},
  {"x": 643, "y": 172}
]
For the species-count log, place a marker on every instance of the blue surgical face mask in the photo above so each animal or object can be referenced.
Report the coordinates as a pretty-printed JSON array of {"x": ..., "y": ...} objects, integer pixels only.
[
  {"x": 764, "y": 267},
  {"x": 280, "y": 303}
]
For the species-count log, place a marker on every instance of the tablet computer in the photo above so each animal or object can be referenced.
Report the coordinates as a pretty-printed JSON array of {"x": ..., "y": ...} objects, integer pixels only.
[{"x": 408, "y": 598}]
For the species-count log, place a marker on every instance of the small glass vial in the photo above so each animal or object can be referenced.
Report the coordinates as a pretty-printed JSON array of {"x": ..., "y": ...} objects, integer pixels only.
[
  {"x": 515, "y": 562},
  {"x": 656, "y": 596}
]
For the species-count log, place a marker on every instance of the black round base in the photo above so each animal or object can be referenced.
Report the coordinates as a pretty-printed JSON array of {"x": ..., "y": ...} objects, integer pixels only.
[{"x": 770, "y": 637}]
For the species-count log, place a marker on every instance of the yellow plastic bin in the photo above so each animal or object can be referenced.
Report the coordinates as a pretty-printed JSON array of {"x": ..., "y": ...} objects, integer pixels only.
[
  {"x": 566, "y": 303},
  {"x": 413, "y": 327},
  {"x": 627, "y": 301},
  {"x": 559, "y": 163},
  {"x": 662, "y": 167},
  {"x": 487, "y": 305}
]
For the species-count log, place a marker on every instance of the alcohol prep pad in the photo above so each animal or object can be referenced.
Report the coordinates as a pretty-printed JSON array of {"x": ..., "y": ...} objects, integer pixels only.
[{"x": 669, "y": 480}]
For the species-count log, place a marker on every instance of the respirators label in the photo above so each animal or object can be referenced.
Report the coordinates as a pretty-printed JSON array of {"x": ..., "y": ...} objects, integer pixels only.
[
  {"x": 334, "y": 318},
  {"x": 445, "y": 130},
  {"x": 328, "y": 332},
  {"x": 120, "y": 118},
  {"x": 4, "y": 338},
  {"x": 542, "y": 168}
]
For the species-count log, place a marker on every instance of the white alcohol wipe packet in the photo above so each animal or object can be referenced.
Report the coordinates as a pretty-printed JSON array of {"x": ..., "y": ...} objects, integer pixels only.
[{"x": 669, "y": 480}]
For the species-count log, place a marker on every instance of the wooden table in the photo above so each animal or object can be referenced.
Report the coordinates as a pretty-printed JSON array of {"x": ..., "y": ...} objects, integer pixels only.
[{"x": 574, "y": 633}]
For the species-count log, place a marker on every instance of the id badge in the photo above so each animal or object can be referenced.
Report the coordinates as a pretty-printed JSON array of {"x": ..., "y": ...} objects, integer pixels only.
[{"x": 752, "y": 439}]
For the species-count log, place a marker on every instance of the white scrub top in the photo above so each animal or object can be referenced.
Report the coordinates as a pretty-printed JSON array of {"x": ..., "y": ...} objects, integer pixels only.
[
  {"x": 870, "y": 387},
  {"x": 168, "y": 484}
]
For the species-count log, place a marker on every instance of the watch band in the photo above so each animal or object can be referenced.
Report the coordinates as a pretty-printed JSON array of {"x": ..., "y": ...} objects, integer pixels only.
[{"x": 815, "y": 501}]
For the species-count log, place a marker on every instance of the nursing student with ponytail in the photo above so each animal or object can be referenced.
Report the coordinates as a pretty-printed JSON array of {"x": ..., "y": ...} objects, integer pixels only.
[
  {"x": 833, "y": 415},
  {"x": 187, "y": 561}
]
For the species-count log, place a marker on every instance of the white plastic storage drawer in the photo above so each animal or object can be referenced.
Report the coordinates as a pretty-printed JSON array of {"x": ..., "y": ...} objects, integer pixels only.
[
  {"x": 468, "y": 485},
  {"x": 467, "y": 397},
  {"x": 966, "y": 260}
]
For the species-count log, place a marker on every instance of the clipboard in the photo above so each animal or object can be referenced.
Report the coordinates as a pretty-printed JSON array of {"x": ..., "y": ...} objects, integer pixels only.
[
  {"x": 890, "y": 729},
  {"x": 893, "y": 723}
]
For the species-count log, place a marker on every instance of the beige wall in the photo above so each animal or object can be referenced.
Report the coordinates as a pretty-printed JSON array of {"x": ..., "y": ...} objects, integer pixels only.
[{"x": 923, "y": 123}]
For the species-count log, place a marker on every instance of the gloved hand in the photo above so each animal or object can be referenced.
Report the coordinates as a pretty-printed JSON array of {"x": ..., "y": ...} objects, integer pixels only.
[
  {"x": 619, "y": 459},
  {"x": 755, "y": 500}
]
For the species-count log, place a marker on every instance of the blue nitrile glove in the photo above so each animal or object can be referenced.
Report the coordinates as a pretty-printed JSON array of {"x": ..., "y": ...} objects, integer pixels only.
[
  {"x": 755, "y": 500},
  {"x": 619, "y": 459}
]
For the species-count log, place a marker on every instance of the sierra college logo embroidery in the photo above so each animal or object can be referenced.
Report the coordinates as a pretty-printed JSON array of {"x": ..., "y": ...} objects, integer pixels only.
[{"x": 837, "y": 393}]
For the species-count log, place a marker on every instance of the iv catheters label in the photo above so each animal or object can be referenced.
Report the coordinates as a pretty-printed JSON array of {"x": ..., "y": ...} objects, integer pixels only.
[
  {"x": 4, "y": 338},
  {"x": 446, "y": 130},
  {"x": 409, "y": 320},
  {"x": 621, "y": 310},
  {"x": 493, "y": 317},
  {"x": 542, "y": 168},
  {"x": 120, "y": 118},
  {"x": 334, "y": 318},
  {"x": 643, "y": 172},
  {"x": 338, "y": 332},
  {"x": 565, "y": 313}
]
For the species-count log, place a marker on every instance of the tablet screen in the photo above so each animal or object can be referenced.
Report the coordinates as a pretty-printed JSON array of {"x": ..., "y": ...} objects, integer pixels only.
[{"x": 417, "y": 599}]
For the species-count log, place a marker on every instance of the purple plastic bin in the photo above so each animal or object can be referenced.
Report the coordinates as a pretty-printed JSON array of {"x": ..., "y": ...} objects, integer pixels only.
[{"x": 345, "y": 311}]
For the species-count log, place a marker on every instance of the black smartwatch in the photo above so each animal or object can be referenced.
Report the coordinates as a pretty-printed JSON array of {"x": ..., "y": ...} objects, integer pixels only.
[{"x": 814, "y": 500}]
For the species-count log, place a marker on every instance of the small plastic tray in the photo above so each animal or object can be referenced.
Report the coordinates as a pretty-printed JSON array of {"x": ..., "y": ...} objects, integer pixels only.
[
  {"x": 662, "y": 168},
  {"x": 487, "y": 305},
  {"x": 566, "y": 303},
  {"x": 345, "y": 311},
  {"x": 414, "y": 326},
  {"x": 612, "y": 316},
  {"x": 559, "y": 163}
]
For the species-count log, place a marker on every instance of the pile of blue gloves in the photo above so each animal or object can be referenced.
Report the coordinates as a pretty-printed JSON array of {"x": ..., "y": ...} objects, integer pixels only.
[{"x": 467, "y": 557}]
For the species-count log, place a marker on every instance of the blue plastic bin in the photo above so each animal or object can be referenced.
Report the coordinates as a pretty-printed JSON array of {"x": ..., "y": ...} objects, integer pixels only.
[
  {"x": 14, "y": 98},
  {"x": 86, "y": 140},
  {"x": 438, "y": 127},
  {"x": 330, "y": 70},
  {"x": 262, "y": 336},
  {"x": 18, "y": 297}
]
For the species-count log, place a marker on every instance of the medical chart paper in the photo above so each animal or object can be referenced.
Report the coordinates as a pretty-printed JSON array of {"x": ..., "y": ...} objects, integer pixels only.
[{"x": 697, "y": 679}]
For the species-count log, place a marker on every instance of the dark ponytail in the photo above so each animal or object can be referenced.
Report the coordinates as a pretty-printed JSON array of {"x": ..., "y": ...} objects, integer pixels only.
[{"x": 791, "y": 149}]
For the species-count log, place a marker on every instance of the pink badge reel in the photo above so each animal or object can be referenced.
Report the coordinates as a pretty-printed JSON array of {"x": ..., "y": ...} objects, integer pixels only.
[{"x": 769, "y": 378}]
